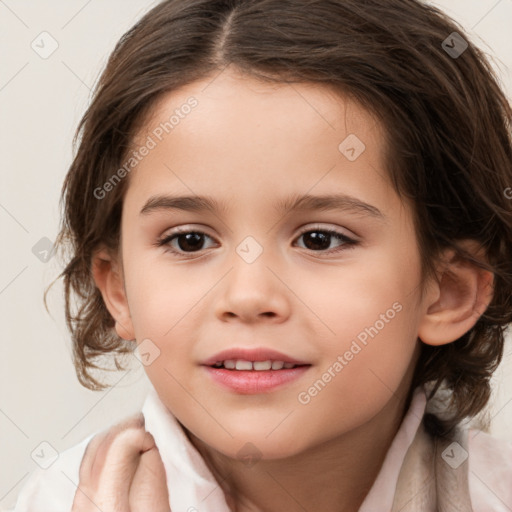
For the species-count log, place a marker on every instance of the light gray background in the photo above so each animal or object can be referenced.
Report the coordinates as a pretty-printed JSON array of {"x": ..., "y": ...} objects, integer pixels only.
[{"x": 41, "y": 102}]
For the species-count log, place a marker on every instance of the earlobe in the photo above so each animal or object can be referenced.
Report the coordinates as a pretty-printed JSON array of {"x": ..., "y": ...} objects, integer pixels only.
[
  {"x": 107, "y": 276},
  {"x": 456, "y": 302}
]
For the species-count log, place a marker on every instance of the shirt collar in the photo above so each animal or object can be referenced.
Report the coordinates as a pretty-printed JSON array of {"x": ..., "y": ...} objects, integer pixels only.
[{"x": 382, "y": 493}]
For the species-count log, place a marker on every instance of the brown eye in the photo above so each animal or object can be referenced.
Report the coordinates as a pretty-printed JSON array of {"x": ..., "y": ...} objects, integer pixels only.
[
  {"x": 184, "y": 242},
  {"x": 319, "y": 240},
  {"x": 190, "y": 241}
]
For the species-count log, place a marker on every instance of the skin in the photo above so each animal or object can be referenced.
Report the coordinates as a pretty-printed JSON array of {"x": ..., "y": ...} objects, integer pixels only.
[
  {"x": 252, "y": 144},
  {"x": 122, "y": 470}
]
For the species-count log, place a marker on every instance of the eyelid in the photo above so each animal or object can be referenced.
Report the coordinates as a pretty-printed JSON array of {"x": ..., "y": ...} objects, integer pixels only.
[
  {"x": 346, "y": 241},
  {"x": 166, "y": 238},
  {"x": 329, "y": 228},
  {"x": 187, "y": 228},
  {"x": 309, "y": 227}
]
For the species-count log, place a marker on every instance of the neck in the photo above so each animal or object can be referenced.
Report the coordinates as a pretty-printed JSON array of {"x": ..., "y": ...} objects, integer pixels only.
[{"x": 334, "y": 476}]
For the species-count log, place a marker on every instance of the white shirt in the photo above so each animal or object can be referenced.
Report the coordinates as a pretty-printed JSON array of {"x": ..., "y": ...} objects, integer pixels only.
[{"x": 192, "y": 486}]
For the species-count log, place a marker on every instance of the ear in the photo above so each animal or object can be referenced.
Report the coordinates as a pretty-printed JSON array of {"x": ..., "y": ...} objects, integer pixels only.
[
  {"x": 107, "y": 275},
  {"x": 455, "y": 302}
]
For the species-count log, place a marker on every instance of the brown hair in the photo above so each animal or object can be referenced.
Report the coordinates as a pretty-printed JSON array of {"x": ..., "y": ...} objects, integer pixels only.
[{"x": 447, "y": 121}]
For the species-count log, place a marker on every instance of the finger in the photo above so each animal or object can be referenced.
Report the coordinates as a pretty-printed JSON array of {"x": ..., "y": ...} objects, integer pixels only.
[
  {"x": 109, "y": 465},
  {"x": 85, "y": 499},
  {"x": 109, "y": 488},
  {"x": 149, "y": 486},
  {"x": 97, "y": 449},
  {"x": 121, "y": 460},
  {"x": 124, "y": 438}
]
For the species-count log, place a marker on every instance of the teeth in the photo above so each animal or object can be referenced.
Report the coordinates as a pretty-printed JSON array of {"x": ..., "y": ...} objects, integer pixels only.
[
  {"x": 242, "y": 364},
  {"x": 262, "y": 365}
]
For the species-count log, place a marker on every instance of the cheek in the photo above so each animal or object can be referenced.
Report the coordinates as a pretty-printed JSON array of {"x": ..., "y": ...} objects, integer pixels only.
[
  {"x": 160, "y": 294},
  {"x": 367, "y": 375},
  {"x": 167, "y": 310},
  {"x": 376, "y": 291},
  {"x": 370, "y": 318},
  {"x": 388, "y": 347}
]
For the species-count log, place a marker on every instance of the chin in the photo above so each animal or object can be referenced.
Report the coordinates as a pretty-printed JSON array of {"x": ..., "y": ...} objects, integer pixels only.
[{"x": 252, "y": 448}]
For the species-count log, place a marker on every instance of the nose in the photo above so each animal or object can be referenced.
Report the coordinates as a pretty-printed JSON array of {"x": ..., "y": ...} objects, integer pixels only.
[{"x": 253, "y": 292}]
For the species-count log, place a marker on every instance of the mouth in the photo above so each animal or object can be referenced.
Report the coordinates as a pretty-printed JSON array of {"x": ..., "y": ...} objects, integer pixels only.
[
  {"x": 253, "y": 359},
  {"x": 250, "y": 372},
  {"x": 257, "y": 366}
]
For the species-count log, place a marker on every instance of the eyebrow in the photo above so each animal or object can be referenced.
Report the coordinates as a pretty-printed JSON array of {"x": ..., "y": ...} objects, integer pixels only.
[{"x": 292, "y": 204}]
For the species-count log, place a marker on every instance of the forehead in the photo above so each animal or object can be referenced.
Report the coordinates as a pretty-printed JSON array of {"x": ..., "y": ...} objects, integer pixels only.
[
  {"x": 238, "y": 135},
  {"x": 254, "y": 104}
]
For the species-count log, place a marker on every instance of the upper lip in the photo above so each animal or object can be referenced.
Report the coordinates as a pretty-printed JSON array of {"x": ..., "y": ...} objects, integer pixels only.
[{"x": 252, "y": 354}]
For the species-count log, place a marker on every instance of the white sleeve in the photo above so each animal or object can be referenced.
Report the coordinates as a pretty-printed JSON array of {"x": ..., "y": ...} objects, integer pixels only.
[{"x": 53, "y": 489}]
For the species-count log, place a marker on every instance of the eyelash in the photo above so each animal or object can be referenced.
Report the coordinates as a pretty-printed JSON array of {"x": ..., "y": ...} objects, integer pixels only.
[{"x": 347, "y": 243}]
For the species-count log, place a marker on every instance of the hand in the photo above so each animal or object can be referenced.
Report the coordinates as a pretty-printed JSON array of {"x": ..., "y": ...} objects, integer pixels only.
[{"x": 122, "y": 471}]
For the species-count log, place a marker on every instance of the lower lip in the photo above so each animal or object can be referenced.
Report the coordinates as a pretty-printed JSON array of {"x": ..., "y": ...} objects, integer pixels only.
[{"x": 255, "y": 381}]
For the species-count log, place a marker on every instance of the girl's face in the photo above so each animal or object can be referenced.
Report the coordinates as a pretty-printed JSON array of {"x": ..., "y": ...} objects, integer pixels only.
[{"x": 332, "y": 283}]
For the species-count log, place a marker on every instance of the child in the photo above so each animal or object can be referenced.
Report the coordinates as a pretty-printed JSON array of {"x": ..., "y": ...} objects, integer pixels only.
[{"x": 289, "y": 373}]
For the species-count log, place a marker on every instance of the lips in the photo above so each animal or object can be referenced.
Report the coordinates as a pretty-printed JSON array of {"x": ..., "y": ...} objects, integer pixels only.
[
  {"x": 254, "y": 370},
  {"x": 250, "y": 382}
]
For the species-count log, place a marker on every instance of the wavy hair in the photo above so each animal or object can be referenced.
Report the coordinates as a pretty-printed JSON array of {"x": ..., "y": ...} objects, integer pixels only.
[{"x": 449, "y": 151}]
